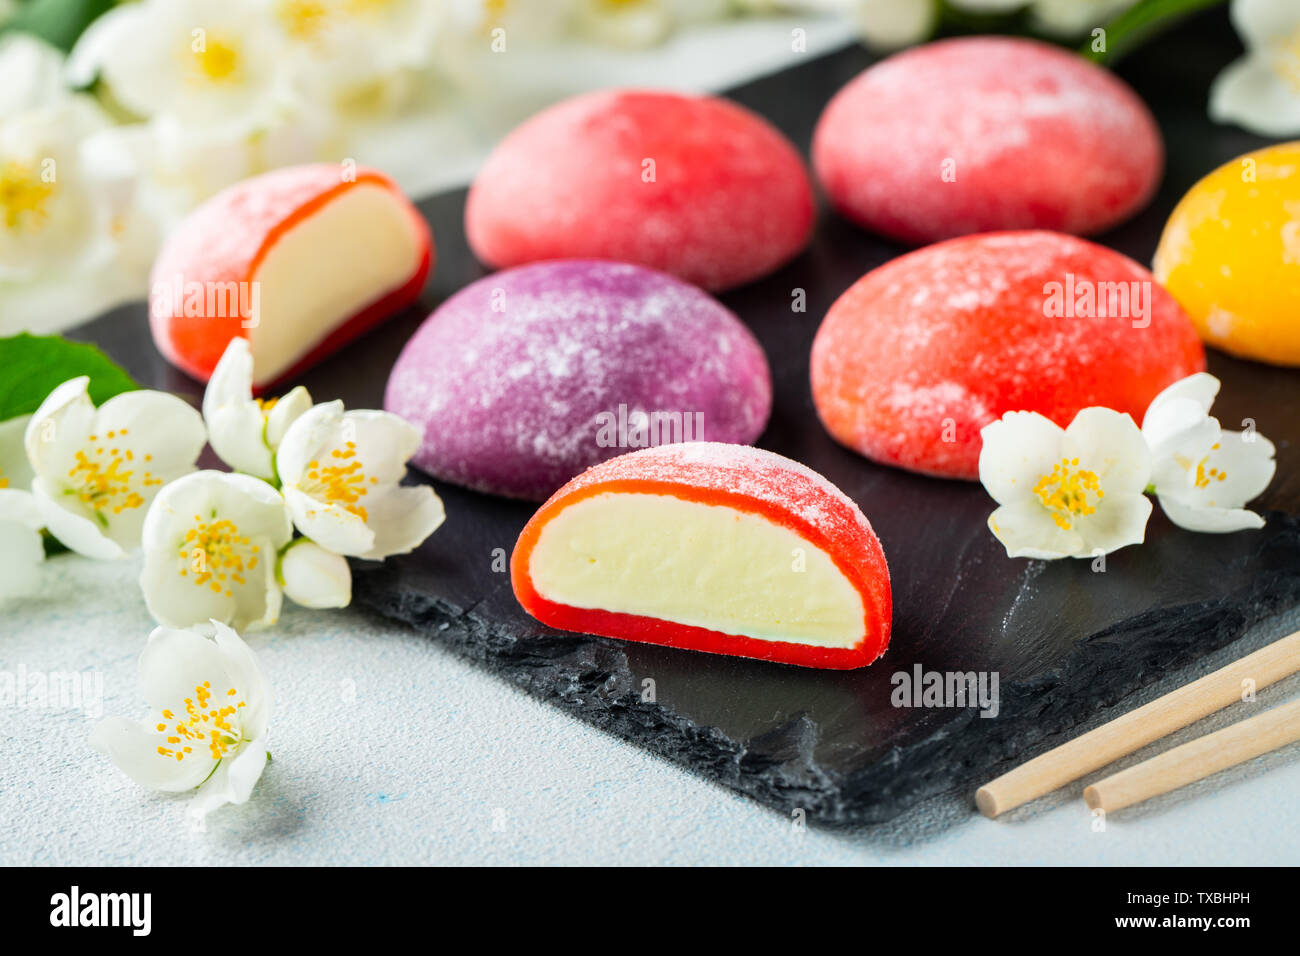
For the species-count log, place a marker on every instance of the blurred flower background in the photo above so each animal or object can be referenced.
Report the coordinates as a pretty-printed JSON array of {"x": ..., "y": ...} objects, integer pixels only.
[{"x": 116, "y": 118}]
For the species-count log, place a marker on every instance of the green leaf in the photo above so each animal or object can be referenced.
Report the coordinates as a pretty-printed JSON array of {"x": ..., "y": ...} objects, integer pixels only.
[
  {"x": 32, "y": 366},
  {"x": 1142, "y": 21},
  {"x": 58, "y": 22}
]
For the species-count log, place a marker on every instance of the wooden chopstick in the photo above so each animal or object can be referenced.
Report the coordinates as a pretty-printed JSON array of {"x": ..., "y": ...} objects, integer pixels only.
[
  {"x": 1136, "y": 729},
  {"x": 1197, "y": 759}
]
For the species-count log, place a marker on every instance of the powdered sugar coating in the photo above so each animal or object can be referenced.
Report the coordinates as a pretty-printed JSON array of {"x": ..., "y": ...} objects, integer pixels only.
[
  {"x": 919, "y": 354},
  {"x": 783, "y": 483},
  {"x": 984, "y": 133},
  {"x": 692, "y": 185},
  {"x": 518, "y": 377}
]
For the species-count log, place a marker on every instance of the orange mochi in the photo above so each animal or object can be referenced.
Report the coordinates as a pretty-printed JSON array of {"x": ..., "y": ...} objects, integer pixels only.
[{"x": 1230, "y": 254}]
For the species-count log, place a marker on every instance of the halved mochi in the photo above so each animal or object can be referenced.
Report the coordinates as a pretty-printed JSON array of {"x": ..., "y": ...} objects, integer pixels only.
[
  {"x": 299, "y": 261},
  {"x": 709, "y": 547}
]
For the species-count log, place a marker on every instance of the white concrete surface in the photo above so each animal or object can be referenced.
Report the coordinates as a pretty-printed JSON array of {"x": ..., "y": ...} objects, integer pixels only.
[{"x": 388, "y": 748}]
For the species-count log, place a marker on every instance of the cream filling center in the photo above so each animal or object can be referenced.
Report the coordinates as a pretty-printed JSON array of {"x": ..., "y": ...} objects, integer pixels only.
[
  {"x": 710, "y": 566},
  {"x": 357, "y": 248}
]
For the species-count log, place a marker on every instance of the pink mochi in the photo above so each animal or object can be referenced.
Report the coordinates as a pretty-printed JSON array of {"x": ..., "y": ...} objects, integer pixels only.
[
  {"x": 527, "y": 377},
  {"x": 980, "y": 134},
  {"x": 694, "y": 185}
]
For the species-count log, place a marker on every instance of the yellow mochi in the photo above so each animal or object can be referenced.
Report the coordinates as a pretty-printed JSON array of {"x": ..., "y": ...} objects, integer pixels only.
[{"x": 1230, "y": 255}]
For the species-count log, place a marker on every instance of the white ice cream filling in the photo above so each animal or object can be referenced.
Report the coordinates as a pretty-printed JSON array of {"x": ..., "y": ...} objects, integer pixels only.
[
  {"x": 357, "y": 248},
  {"x": 711, "y": 566}
]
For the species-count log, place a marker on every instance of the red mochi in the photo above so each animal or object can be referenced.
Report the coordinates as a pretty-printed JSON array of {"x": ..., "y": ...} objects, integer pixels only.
[
  {"x": 985, "y": 133},
  {"x": 695, "y": 186},
  {"x": 918, "y": 355}
]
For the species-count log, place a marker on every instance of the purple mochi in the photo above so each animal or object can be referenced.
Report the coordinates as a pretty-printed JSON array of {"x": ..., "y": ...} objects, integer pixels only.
[{"x": 529, "y": 376}]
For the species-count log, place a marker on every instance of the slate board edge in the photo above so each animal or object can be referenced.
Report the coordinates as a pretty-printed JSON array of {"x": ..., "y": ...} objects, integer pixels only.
[{"x": 589, "y": 678}]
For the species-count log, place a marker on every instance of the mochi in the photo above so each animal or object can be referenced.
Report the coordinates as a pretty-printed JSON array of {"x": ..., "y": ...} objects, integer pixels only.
[
  {"x": 299, "y": 261},
  {"x": 692, "y": 185},
  {"x": 526, "y": 377},
  {"x": 1230, "y": 254},
  {"x": 920, "y": 354},
  {"x": 983, "y": 133},
  {"x": 709, "y": 547}
]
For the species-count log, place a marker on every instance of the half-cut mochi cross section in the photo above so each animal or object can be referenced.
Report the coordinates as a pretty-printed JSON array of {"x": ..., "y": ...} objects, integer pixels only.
[
  {"x": 299, "y": 261},
  {"x": 709, "y": 547}
]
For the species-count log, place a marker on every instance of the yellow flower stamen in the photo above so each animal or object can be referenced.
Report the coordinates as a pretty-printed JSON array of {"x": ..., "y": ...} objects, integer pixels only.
[
  {"x": 24, "y": 197},
  {"x": 340, "y": 484},
  {"x": 221, "y": 737},
  {"x": 217, "y": 60},
  {"x": 303, "y": 19},
  {"x": 103, "y": 479},
  {"x": 217, "y": 554},
  {"x": 1069, "y": 492}
]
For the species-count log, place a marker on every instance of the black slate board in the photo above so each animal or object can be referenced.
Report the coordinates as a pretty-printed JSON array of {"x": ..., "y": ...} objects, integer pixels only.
[{"x": 1064, "y": 640}]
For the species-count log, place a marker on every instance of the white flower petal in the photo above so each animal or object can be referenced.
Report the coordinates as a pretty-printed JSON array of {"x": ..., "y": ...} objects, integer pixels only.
[
  {"x": 233, "y": 780},
  {"x": 1027, "y": 531},
  {"x": 1261, "y": 22},
  {"x": 1209, "y": 520},
  {"x": 20, "y": 507},
  {"x": 15, "y": 470},
  {"x": 330, "y": 526},
  {"x": 236, "y": 424},
  {"x": 1179, "y": 427},
  {"x": 31, "y": 69},
  {"x": 251, "y": 503},
  {"x": 1254, "y": 94},
  {"x": 314, "y": 577},
  {"x": 134, "y": 748},
  {"x": 174, "y": 662},
  {"x": 173, "y": 600},
  {"x": 75, "y": 531},
  {"x": 251, "y": 523},
  {"x": 245, "y": 770},
  {"x": 163, "y": 432},
  {"x": 246, "y": 672},
  {"x": 1119, "y": 521},
  {"x": 1246, "y": 459},
  {"x": 291, "y": 406},
  {"x": 58, "y": 428},
  {"x": 21, "y": 554},
  {"x": 402, "y": 518},
  {"x": 1017, "y": 450},
  {"x": 385, "y": 442},
  {"x": 1200, "y": 387},
  {"x": 105, "y": 34},
  {"x": 1110, "y": 445},
  {"x": 893, "y": 24},
  {"x": 305, "y": 439},
  {"x": 235, "y": 432}
]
